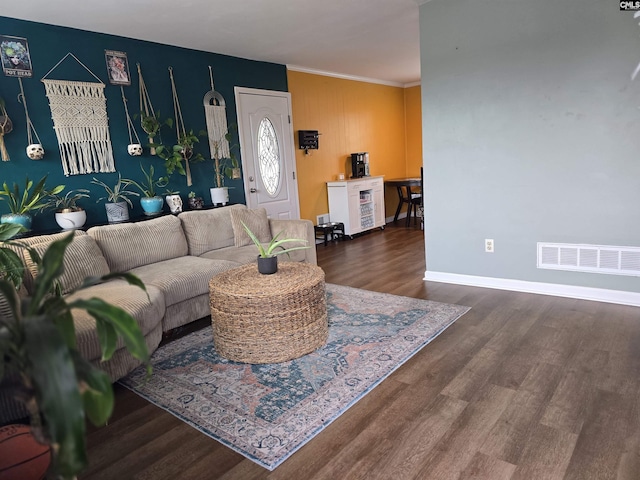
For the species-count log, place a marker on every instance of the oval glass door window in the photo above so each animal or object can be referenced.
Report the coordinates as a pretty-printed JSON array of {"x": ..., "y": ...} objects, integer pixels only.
[{"x": 269, "y": 156}]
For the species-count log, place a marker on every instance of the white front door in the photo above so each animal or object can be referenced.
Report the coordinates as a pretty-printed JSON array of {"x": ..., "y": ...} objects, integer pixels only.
[{"x": 268, "y": 155}]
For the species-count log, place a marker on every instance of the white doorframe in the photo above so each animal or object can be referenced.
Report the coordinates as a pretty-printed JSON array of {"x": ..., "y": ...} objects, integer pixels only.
[{"x": 290, "y": 150}]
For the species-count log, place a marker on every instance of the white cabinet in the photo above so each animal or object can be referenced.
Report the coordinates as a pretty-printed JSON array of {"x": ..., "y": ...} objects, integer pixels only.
[{"x": 358, "y": 203}]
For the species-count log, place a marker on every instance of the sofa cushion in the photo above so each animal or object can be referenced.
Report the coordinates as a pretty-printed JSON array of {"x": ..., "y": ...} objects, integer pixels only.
[
  {"x": 38, "y": 239},
  {"x": 129, "y": 245},
  {"x": 182, "y": 278},
  {"x": 255, "y": 220},
  {"x": 82, "y": 259},
  {"x": 208, "y": 229}
]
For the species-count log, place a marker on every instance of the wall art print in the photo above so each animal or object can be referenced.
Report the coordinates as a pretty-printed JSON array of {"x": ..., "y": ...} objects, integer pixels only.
[
  {"x": 14, "y": 54},
  {"x": 117, "y": 67}
]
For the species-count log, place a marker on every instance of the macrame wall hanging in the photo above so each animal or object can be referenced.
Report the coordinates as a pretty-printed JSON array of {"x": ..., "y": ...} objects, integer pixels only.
[
  {"x": 216, "y": 114},
  {"x": 79, "y": 113}
]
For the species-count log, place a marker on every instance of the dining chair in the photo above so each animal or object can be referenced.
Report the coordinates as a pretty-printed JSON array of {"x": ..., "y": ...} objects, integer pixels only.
[{"x": 414, "y": 199}]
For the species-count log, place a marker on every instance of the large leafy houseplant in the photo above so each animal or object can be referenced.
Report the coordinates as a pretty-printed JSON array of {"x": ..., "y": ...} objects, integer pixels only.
[
  {"x": 148, "y": 186},
  {"x": 38, "y": 351},
  {"x": 28, "y": 200}
]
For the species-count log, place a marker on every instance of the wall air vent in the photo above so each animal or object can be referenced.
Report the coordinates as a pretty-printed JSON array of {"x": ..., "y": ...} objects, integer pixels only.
[{"x": 589, "y": 258}]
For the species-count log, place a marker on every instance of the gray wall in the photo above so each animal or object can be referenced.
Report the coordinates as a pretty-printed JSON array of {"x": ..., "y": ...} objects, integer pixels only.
[{"x": 531, "y": 128}]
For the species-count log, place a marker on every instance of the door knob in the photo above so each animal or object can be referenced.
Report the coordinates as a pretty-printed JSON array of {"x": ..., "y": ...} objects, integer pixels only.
[{"x": 253, "y": 190}]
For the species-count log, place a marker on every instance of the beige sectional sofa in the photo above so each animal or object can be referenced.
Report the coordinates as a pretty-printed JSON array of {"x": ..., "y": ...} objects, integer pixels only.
[{"x": 175, "y": 257}]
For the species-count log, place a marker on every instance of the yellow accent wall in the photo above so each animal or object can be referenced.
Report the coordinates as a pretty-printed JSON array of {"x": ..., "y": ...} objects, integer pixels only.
[
  {"x": 413, "y": 130},
  {"x": 352, "y": 116}
]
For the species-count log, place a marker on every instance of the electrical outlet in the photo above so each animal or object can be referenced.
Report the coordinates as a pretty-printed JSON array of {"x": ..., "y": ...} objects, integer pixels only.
[{"x": 489, "y": 245}]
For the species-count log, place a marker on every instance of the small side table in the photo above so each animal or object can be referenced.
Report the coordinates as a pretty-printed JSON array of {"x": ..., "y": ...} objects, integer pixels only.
[
  {"x": 268, "y": 318},
  {"x": 331, "y": 228}
]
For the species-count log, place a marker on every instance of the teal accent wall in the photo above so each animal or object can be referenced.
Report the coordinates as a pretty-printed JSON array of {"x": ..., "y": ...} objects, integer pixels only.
[
  {"x": 530, "y": 134},
  {"x": 48, "y": 44}
]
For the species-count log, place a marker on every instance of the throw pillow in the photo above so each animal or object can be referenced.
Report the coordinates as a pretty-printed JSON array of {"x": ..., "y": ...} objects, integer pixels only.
[
  {"x": 82, "y": 258},
  {"x": 256, "y": 220}
]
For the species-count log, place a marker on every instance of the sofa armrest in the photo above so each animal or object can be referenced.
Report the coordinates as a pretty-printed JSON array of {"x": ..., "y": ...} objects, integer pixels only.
[{"x": 297, "y": 229}]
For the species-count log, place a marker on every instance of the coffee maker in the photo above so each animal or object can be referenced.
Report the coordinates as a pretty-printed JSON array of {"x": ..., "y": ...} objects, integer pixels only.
[{"x": 359, "y": 165}]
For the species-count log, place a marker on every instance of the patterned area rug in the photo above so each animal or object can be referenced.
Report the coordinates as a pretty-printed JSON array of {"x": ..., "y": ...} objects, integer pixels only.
[{"x": 267, "y": 412}]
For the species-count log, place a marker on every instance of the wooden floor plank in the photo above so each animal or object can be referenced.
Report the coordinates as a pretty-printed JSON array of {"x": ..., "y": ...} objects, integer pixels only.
[
  {"x": 483, "y": 467},
  {"x": 548, "y": 388}
]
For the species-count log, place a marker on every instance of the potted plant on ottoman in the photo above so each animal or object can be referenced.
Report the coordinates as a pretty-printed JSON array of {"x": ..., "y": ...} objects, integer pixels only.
[
  {"x": 267, "y": 258},
  {"x": 150, "y": 202},
  {"x": 21, "y": 204},
  {"x": 68, "y": 214},
  {"x": 118, "y": 199}
]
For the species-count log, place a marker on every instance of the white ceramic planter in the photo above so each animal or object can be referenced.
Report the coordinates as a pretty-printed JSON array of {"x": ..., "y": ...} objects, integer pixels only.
[
  {"x": 70, "y": 219},
  {"x": 174, "y": 202},
  {"x": 219, "y": 196},
  {"x": 35, "y": 151}
]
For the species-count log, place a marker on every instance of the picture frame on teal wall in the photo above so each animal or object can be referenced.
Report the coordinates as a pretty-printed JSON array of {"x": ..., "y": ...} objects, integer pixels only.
[
  {"x": 15, "y": 57},
  {"x": 117, "y": 67}
]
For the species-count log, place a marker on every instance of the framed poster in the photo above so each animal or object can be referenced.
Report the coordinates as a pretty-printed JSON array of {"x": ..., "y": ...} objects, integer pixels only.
[
  {"x": 14, "y": 54},
  {"x": 117, "y": 67}
]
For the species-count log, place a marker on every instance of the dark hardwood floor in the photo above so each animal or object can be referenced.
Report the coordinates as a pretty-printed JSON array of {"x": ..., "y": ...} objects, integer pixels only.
[{"x": 522, "y": 387}]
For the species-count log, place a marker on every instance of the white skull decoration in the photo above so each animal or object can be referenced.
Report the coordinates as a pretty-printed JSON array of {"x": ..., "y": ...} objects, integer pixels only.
[
  {"x": 35, "y": 151},
  {"x": 134, "y": 149}
]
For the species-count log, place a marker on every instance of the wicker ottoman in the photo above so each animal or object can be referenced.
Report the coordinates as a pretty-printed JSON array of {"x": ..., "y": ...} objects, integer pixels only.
[{"x": 268, "y": 318}]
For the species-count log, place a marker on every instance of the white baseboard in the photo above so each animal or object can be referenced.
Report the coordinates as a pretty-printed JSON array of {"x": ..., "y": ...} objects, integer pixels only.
[{"x": 569, "y": 291}]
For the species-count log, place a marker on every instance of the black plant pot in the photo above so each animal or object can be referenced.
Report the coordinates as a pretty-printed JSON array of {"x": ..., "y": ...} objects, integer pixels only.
[{"x": 267, "y": 265}]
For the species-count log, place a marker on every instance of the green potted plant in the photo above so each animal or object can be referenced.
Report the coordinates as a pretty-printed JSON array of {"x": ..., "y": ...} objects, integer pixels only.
[
  {"x": 117, "y": 200},
  {"x": 68, "y": 213},
  {"x": 195, "y": 203},
  {"x": 267, "y": 256},
  {"x": 40, "y": 361},
  {"x": 32, "y": 198},
  {"x": 182, "y": 151},
  {"x": 151, "y": 202}
]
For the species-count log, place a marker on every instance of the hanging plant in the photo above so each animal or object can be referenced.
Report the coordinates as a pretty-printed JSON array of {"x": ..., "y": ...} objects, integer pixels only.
[
  {"x": 178, "y": 156},
  {"x": 149, "y": 119}
]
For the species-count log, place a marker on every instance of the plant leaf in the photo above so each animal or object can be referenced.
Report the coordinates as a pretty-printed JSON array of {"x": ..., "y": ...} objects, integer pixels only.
[
  {"x": 108, "y": 338},
  {"x": 124, "y": 324},
  {"x": 57, "y": 393},
  {"x": 96, "y": 390},
  {"x": 49, "y": 269},
  {"x": 11, "y": 266}
]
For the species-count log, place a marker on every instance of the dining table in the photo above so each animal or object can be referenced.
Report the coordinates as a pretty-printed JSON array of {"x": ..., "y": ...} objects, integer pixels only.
[{"x": 403, "y": 186}]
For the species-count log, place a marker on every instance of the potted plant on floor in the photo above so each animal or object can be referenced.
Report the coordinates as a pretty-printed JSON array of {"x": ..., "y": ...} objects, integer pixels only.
[
  {"x": 118, "y": 199},
  {"x": 68, "y": 213},
  {"x": 151, "y": 202},
  {"x": 32, "y": 198},
  {"x": 267, "y": 256},
  {"x": 40, "y": 358}
]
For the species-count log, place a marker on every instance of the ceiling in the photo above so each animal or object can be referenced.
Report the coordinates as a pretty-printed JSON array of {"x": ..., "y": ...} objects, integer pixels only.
[{"x": 365, "y": 39}]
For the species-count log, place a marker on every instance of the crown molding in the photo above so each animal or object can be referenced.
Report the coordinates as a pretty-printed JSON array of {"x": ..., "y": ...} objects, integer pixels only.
[{"x": 296, "y": 68}]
